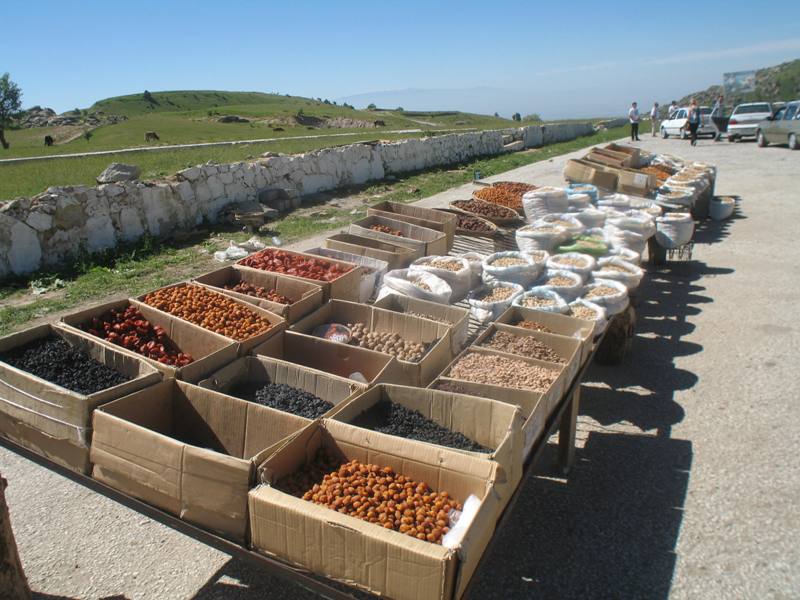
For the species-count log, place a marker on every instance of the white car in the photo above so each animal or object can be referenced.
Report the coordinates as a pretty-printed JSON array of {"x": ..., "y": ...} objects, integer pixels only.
[
  {"x": 675, "y": 124},
  {"x": 745, "y": 119}
]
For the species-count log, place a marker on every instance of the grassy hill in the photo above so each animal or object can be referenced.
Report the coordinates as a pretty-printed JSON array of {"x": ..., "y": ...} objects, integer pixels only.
[{"x": 781, "y": 82}]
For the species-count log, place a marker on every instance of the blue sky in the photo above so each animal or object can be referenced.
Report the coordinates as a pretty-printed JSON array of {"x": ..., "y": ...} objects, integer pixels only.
[{"x": 560, "y": 59}]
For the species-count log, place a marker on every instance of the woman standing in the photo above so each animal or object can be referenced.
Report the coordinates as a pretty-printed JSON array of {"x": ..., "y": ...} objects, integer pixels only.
[{"x": 694, "y": 121}]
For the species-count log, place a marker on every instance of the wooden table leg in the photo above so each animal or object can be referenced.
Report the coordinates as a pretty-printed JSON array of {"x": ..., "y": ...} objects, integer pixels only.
[{"x": 566, "y": 432}]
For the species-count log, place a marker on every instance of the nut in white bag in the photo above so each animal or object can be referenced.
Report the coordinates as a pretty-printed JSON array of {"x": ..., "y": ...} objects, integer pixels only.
[
  {"x": 455, "y": 271},
  {"x": 490, "y": 301},
  {"x": 617, "y": 269},
  {"x": 416, "y": 285},
  {"x": 514, "y": 267}
]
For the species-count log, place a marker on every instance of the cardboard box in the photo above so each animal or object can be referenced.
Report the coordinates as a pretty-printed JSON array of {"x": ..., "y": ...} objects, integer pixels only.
[
  {"x": 372, "y": 269},
  {"x": 340, "y": 360},
  {"x": 306, "y": 296},
  {"x": 257, "y": 371},
  {"x": 417, "y": 215},
  {"x": 187, "y": 450},
  {"x": 492, "y": 424},
  {"x": 364, "y": 554},
  {"x": 396, "y": 256},
  {"x": 634, "y": 153},
  {"x": 54, "y": 421},
  {"x": 344, "y": 287},
  {"x": 532, "y": 405},
  {"x": 598, "y": 156},
  {"x": 581, "y": 171},
  {"x": 456, "y": 317},
  {"x": 551, "y": 396},
  {"x": 624, "y": 159},
  {"x": 432, "y": 243},
  {"x": 558, "y": 324},
  {"x": 629, "y": 181},
  {"x": 278, "y": 323},
  {"x": 208, "y": 349},
  {"x": 435, "y": 335},
  {"x": 568, "y": 348}
]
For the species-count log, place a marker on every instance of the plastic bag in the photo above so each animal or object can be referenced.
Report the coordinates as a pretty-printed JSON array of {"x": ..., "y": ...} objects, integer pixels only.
[
  {"x": 636, "y": 221},
  {"x": 543, "y": 201},
  {"x": 616, "y": 201},
  {"x": 523, "y": 274},
  {"x": 619, "y": 270},
  {"x": 579, "y": 201},
  {"x": 615, "y": 302},
  {"x": 674, "y": 230},
  {"x": 582, "y": 264},
  {"x": 401, "y": 281},
  {"x": 476, "y": 268},
  {"x": 677, "y": 195},
  {"x": 485, "y": 311},
  {"x": 252, "y": 245},
  {"x": 568, "y": 291},
  {"x": 540, "y": 237},
  {"x": 626, "y": 254},
  {"x": 584, "y": 188},
  {"x": 591, "y": 217},
  {"x": 566, "y": 220},
  {"x": 459, "y": 281},
  {"x": 232, "y": 252},
  {"x": 543, "y": 299},
  {"x": 371, "y": 275},
  {"x": 600, "y": 320},
  {"x": 628, "y": 239}
]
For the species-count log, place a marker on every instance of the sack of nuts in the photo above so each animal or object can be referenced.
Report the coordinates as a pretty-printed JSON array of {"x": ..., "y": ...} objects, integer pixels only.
[
  {"x": 418, "y": 284},
  {"x": 513, "y": 267},
  {"x": 455, "y": 271},
  {"x": 491, "y": 300},
  {"x": 541, "y": 298}
]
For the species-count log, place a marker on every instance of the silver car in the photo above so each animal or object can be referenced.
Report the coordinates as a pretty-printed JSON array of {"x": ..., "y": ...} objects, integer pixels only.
[
  {"x": 745, "y": 119},
  {"x": 782, "y": 128}
]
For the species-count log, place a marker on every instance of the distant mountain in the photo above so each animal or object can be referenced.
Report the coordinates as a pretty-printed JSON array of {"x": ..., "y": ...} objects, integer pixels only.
[{"x": 781, "y": 82}]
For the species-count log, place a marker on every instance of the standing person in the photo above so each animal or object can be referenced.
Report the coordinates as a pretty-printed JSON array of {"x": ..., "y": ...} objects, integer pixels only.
[
  {"x": 654, "y": 118},
  {"x": 693, "y": 121},
  {"x": 718, "y": 117},
  {"x": 633, "y": 117},
  {"x": 673, "y": 106}
]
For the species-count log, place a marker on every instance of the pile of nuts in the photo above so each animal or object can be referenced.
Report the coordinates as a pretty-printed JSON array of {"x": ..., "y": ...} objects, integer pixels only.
[
  {"x": 660, "y": 174},
  {"x": 54, "y": 360},
  {"x": 508, "y": 261},
  {"x": 128, "y": 328},
  {"x": 573, "y": 261},
  {"x": 451, "y": 386},
  {"x": 537, "y": 302},
  {"x": 474, "y": 224},
  {"x": 385, "y": 229},
  {"x": 210, "y": 310},
  {"x": 495, "y": 294},
  {"x": 420, "y": 284},
  {"x": 580, "y": 311},
  {"x": 374, "y": 494},
  {"x": 617, "y": 268},
  {"x": 443, "y": 263},
  {"x": 523, "y": 345},
  {"x": 503, "y": 371},
  {"x": 485, "y": 209},
  {"x": 291, "y": 263},
  {"x": 259, "y": 292},
  {"x": 388, "y": 343},
  {"x": 560, "y": 281},
  {"x": 504, "y": 194},
  {"x": 533, "y": 326},
  {"x": 602, "y": 290}
]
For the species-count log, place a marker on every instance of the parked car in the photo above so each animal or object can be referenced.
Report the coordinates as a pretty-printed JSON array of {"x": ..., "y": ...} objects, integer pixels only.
[
  {"x": 745, "y": 119},
  {"x": 782, "y": 128},
  {"x": 676, "y": 123}
]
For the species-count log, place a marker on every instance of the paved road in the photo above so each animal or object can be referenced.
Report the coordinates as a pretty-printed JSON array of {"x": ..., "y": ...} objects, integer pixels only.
[
  {"x": 378, "y": 132},
  {"x": 686, "y": 481}
]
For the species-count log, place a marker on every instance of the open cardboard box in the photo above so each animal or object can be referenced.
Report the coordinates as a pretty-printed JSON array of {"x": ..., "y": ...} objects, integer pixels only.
[
  {"x": 339, "y": 360},
  {"x": 634, "y": 153},
  {"x": 557, "y": 323},
  {"x": 532, "y": 405},
  {"x": 454, "y": 316},
  {"x": 364, "y": 554},
  {"x": 305, "y": 296},
  {"x": 605, "y": 158},
  {"x": 551, "y": 396},
  {"x": 629, "y": 181},
  {"x": 396, "y": 256},
  {"x": 208, "y": 349},
  {"x": 254, "y": 372},
  {"x": 435, "y": 335},
  {"x": 581, "y": 171},
  {"x": 345, "y": 286},
  {"x": 432, "y": 243},
  {"x": 187, "y": 450},
  {"x": 494, "y": 425},
  {"x": 54, "y": 421},
  {"x": 372, "y": 269},
  {"x": 417, "y": 215},
  {"x": 278, "y": 323},
  {"x": 567, "y": 348}
]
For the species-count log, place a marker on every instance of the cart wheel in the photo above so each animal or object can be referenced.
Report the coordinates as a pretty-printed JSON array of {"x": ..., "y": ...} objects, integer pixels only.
[
  {"x": 732, "y": 138},
  {"x": 684, "y": 135},
  {"x": 793, "y": 145},
  {"x": 664, "y": 133},
  {"x": 762, "y": 141}
]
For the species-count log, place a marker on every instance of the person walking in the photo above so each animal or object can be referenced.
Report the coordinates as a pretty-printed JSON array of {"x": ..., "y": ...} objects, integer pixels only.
[
  {"x": 673, "y": 106},
  {"x": 654, "y": 119},
  {"x": 718, "y": 117},
  {"x": 633, "y": 117},
  {"x": 693, "y": 122}
]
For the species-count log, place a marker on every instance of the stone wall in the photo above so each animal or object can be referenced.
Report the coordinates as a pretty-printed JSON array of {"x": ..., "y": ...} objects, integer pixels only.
[{"x": 53, "y": 227}]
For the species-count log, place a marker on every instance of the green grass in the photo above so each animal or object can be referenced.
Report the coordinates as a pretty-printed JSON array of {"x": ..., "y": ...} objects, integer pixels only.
[{"x": 150, "y": 264}]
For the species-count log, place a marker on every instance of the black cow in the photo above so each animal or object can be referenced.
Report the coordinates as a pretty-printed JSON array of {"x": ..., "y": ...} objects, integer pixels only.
[
  {"x": 48, "y": 140},
  {"x": 151, "y": 136}
]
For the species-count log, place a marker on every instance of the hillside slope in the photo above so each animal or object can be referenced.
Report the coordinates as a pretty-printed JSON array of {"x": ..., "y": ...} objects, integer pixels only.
[{"x": 781, "y": 82}]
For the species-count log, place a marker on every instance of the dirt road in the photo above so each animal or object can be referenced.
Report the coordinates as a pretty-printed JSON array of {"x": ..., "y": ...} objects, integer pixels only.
[{"x": 686, "y": 481}]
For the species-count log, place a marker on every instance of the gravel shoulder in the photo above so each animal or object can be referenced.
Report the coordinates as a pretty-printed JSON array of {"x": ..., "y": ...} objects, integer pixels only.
[{"x": 686, "y": 475}]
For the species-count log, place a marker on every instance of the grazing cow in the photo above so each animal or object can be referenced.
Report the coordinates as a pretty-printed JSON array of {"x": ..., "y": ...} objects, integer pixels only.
[
  {"x": 151, "y": 136},
  {"x": 48, "y": 140}
]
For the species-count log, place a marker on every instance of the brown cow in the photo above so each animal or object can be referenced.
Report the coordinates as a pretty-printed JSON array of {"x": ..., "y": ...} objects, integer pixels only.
[{"x": 151, "y": 136}]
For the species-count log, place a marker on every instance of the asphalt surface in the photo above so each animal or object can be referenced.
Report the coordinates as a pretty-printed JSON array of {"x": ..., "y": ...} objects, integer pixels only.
[{"x": 686, "y": 475}]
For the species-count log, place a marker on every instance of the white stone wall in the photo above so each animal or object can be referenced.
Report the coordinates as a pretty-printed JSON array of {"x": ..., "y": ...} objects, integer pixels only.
[{"x": 53, "y": 227}]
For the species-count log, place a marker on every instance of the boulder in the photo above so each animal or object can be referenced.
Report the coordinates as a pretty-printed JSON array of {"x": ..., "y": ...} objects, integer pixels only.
[{"x": 118, "y": 172}]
